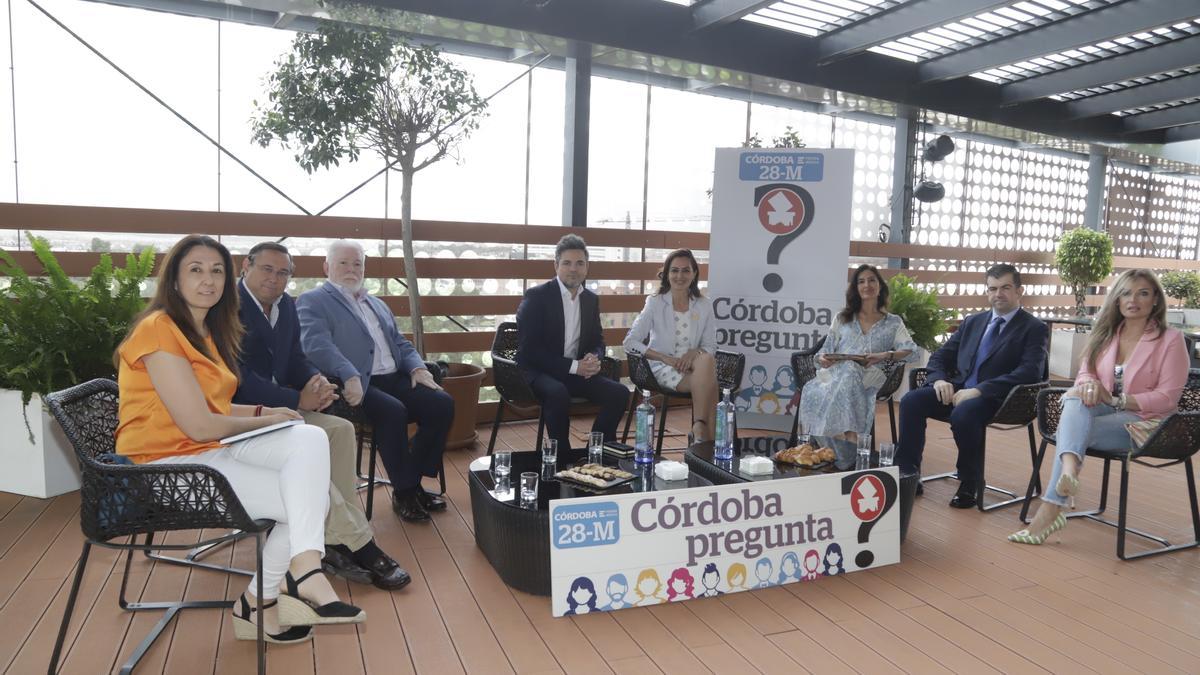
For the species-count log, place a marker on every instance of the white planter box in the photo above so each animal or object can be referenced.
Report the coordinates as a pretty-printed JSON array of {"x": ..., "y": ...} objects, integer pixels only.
[
  {"x": 45, "y": 468},
  {"x": 1191, "y": 317},
  {"x": 1066, "y": 351}
]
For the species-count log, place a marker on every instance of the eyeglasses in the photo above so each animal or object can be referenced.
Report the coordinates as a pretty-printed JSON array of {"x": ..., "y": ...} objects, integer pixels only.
[{"x": 278, "y": 274}]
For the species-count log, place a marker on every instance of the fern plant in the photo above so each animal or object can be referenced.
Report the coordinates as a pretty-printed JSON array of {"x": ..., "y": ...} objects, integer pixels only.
[
  {"x": 55, "y": 333},
  {"x": 925, "y": 319}
]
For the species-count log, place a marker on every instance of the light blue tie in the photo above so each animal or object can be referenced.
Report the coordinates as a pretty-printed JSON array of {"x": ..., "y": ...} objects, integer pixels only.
[{"x": 985, "y": 348}]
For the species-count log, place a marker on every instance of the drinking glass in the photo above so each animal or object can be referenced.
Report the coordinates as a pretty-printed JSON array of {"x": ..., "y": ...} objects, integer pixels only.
[
  {"x": 549, "y": 451},
  {"x": 501, "y": 465},
  {"x": 887, "y": 454},
  {"x": 529, "y": 484},
  {"x": 864, "y": 452},
  {"x": 596, "y": 448}
]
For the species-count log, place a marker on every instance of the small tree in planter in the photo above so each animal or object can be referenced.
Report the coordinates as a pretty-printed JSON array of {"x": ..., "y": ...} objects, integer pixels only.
[
  {"x": 1183, "y": 286},
  {"x": 1084, "y": 257},
  {"x": 341, "y": 91}
]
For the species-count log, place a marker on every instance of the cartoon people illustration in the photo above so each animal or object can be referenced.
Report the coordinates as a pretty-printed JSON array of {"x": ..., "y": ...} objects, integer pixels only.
[
  {"x": 784, "y": 384},
  {"x": 616, "y": 587},
  {"x": 680, "y": 585},
  {"x": 833, "y": 560},
  {"x": 581, "y": 599},
  {"x": 747, "y": 399},
  {"x": 762, "y": 570},
  {"x": 710, "y": 579},
  {"x": 769, "y": 404},
  {"x": 648, "y": 587},
  {"x": 812, "y": 563},
  {"x": 735, "y": 576},
  {"x": 789, "y": 568}
]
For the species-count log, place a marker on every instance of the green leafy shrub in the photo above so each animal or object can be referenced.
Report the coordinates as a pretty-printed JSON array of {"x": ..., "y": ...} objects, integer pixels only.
[
  {"x": 1084, "y": 257},
  {"x": 55, "y": 333},
  {"x": 925, "y": 318},
  {"x": 1183, "y": 286}
]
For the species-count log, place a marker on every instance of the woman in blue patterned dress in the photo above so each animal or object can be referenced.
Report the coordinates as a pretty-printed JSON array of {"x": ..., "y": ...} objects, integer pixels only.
[{"x": 840, "y": 400}]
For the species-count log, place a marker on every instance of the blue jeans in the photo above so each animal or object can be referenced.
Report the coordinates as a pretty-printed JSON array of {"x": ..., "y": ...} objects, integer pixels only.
[{"x": 1101, "y": 427}]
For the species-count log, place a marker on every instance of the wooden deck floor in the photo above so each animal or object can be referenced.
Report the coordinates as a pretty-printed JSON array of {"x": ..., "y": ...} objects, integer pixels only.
[{"x": 962, "y": 600}]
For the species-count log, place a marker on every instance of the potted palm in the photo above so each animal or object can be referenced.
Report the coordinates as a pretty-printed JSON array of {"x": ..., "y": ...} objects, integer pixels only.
[
  {"x": 55, "y": 333},
  {"x": 1084, "y": 258},
  {"x": 925, "y": 319}
]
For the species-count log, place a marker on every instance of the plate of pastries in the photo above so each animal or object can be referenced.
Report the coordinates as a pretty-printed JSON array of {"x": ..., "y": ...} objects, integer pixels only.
[
  {"x": 595, "y": 476},
  {"x": 807, "y": 455}
]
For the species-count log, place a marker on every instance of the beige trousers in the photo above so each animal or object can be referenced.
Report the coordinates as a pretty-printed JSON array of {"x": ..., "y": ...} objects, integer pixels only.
[{"x": 346, "y": 523}]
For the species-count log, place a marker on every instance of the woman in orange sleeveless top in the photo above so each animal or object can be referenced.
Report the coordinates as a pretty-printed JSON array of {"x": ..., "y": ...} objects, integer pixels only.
[{"x": 176, "y": 392}]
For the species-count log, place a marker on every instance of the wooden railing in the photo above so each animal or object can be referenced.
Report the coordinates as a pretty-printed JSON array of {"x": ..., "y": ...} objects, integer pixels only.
[{"x": 42, "y": 219}]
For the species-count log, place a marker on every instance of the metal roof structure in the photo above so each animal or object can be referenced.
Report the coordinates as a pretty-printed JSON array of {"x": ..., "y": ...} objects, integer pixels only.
[{"x": 1109, "y": 71}]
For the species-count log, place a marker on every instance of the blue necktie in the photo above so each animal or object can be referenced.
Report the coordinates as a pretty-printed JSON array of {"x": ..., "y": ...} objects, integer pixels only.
[{"x": 985, "y": 348}]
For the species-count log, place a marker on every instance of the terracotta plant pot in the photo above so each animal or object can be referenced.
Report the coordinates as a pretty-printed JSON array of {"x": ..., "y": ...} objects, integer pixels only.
[{"x": 462, "y": 382}]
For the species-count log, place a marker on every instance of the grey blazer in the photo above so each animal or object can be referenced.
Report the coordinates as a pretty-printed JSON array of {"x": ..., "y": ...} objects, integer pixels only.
[
  {"x": 336, "y": 340},
  {"x": 656, "y": 326}
]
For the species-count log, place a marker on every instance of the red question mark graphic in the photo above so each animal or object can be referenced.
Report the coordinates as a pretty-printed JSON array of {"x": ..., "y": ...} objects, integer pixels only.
[
  {"x": 872, "y": 494},
  {"x": 786, "y": 211}
]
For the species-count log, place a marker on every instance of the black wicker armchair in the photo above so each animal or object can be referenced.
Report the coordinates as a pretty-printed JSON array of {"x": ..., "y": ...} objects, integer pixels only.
[
  {"x": 804, "y": 368},
  {"x": 1175, "y": 441},
  {"x": 1019, "y": 409},
  {"x": 730, "y": 367},
  {"x": 514, "y": 390},
  {"x": 128, "y": 500},
  {"x": 366, "y": 436}
]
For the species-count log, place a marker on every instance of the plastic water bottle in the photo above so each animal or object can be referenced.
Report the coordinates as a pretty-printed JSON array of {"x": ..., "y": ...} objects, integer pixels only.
[
  {"x": 723, "y": 443},
  {"x": 643, "y": 447}
]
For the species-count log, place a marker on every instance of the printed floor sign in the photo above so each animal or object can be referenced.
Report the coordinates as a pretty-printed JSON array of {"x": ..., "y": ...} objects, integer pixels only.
[
  {"x": 610, "y": 552},
  {"x": 777, "y": 268}
]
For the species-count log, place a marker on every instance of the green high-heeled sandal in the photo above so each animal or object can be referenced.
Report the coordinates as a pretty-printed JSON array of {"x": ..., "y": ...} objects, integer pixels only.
[
  {"x": 1067, "y": 486},
  {"x": 1027, "y": 537}
]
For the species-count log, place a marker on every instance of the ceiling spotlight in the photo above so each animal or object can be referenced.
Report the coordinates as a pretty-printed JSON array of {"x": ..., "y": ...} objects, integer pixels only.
[
  {"x": 938, "y": 149},
  {"x": 929, "y": 191}
]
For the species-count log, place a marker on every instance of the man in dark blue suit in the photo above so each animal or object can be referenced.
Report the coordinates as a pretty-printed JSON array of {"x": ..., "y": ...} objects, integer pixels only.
[
  {"x": 970, "y": 376},
  {"x": 275, "y": 373},
  {"x": 560, "y": 345}
]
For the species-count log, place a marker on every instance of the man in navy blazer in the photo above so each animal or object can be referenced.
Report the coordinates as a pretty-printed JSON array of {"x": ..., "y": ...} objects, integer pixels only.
[
  {"x": 274, "y": 373},
  {"x": 560, "y": 345},
  {"x": 970, "y": 376},
  {"x": 352, "y": 335}
]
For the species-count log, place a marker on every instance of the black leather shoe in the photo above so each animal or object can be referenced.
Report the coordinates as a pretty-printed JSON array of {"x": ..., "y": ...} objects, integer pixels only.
[
  {"x": 339, "y": 564},
  {"x": 964, "y": 498},
  {"x": 920, "y": 487},
  {"x": 387, "y": 574},
  {"x": 430, "y": 502},
  {"x": 408, "y": 507}
]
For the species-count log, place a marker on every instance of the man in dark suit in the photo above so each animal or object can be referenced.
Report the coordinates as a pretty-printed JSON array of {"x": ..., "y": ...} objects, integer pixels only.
[
  {"x": 560, "y": 346},
  {"x": 351, "y": 334},
  {"x": 970, "y": 376},
  {"x": 275, "y": 373}
]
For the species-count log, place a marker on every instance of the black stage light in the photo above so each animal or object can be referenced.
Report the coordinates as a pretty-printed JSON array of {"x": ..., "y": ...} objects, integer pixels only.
[
  {"x": 938, "y": 149},
  {"x": 929, "y": 191}
]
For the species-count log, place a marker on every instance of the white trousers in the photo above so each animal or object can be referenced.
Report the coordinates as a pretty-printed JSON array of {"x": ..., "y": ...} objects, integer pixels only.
[{"x": 282, "y": 475}]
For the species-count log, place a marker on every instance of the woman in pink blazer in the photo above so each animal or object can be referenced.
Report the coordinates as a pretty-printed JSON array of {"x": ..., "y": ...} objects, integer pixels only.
[{"x": 1134, "y": 369}]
